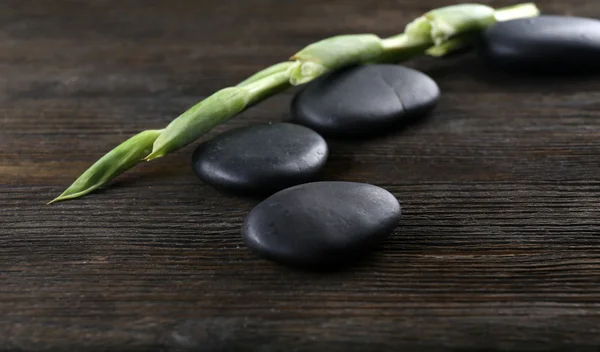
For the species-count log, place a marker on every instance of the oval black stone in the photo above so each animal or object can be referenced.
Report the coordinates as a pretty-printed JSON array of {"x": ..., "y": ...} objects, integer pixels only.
[
  {"x": 543, "y": 44},
  {"x": 261, "y": 159},
  {"x": 363, "y": 100},
  {"x": 321, "y": 224}
]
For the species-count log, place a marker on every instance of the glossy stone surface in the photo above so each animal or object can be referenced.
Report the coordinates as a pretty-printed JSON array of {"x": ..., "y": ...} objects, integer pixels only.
[
  {"x": 363, "y": 100},
  {"x": 322, "y": 224},
  {"x": 261, "y": 159},
  {"x": 546, "y": 44}
]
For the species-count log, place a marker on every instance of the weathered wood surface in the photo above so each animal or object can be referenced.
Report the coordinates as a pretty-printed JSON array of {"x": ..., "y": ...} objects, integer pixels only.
[{"x": 498, "y": 248}]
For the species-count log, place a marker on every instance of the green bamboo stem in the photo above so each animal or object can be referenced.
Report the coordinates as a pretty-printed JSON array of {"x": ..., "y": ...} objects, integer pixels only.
[
  {"x": 516, "y": 11},
  {"x": 436, "y": 33},
  {"x": 215, "y": 110}
]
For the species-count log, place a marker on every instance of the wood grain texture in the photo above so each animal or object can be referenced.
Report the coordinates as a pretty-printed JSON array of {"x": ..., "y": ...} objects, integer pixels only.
[{"x": 498, "y": 248}]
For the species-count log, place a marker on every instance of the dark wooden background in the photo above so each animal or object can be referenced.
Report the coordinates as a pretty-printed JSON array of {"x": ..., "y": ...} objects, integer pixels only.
[{"x": 498, "y": 248}]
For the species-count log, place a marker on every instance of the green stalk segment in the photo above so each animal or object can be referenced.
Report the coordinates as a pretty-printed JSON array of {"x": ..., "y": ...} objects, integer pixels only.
[
  {"x": 436, "y": 33},
  {"x": 517, "y": 11},
  {"x": 453, "y": 44},
  {"x": 215, "y": 110},
  {"x": 333, "y": 53},
  {"x": 200, "y": 119},
  {"x": 447, "y": 22},
  {"x": 269, "y": 71}
]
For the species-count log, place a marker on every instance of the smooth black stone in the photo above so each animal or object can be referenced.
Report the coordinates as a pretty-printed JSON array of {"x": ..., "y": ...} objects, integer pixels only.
[
  {"x": 261, "y": 159},
  {"x": 321, "y": 225},
  {"x": 550, "y": 44},
  {"x": 363, "y": 100}
]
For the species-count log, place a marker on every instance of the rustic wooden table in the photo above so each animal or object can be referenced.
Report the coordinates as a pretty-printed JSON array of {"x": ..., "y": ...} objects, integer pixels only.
[{"x": 498, "y": 248}]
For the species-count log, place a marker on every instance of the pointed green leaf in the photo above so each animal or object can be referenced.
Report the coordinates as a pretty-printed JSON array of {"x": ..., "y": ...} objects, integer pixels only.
[{"x": 120, "y": 159}]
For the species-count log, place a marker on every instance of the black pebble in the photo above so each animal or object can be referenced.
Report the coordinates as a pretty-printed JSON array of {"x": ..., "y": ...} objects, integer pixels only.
[
  {"x": 363, "y": 100},
  {"x": 261, "y": 159},
  {"x": 545, "y": 44},
  {"x": 321, "y": 225}
]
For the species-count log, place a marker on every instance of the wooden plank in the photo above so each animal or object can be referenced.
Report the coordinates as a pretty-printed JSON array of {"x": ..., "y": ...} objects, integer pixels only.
[{"x": 498, "y": 247}]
